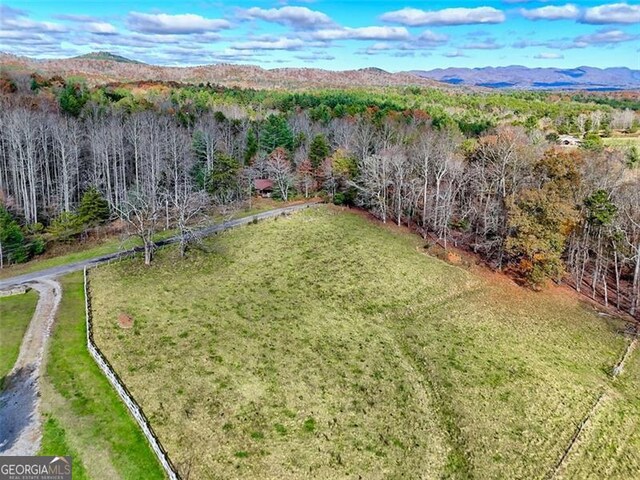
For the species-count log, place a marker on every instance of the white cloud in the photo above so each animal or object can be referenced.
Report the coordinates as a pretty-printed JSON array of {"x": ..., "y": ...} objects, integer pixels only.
[
  {"x": 552, "y": 12},
  {"x": 604, "y": 14},
  {"x": 604, "y": 37},
  {"x": 488, "y": 44},
  {"x": 279, "y": 44},
  {"x": 455, "y": 54},
  {"x": 361, "y": 33},
  {"x": 430, "y": 37},
  {"x": 76, "y": 18},
  {"x": 26, "y": 24},
  {"x": 612, "y": 13},
  {"x": 549, "y": 56},
  {"x": 414, "y": 17},
  {"x": 315, "y": 57},
  {"x": 163, "y": 23},
  {"x": 7, "y": 12},
  {"x": 380, "y": 47},
  {"x": 100, "y": 28},
  {"x": 300, "y": 18}
]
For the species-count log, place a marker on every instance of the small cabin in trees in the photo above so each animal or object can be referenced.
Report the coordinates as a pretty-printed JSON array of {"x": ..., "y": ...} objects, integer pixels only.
[
  {"x": 263, "y": 186},
  {"x": 568, "y": 141}
]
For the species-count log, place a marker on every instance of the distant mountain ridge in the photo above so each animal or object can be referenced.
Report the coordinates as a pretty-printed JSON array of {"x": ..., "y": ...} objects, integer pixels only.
[
  {"x": 107, "y": 56},
  {"x": 516, "y": 76},
  {"x": 105, "y": 67}
]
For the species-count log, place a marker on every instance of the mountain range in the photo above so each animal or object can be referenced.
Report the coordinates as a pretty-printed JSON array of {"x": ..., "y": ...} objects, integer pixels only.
[
  {"x": 580, "y": 78},
  {"x": 102, "y": 67}
]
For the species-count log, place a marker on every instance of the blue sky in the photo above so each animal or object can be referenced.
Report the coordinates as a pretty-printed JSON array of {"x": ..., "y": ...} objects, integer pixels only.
[{"x": 331, "y": 34}]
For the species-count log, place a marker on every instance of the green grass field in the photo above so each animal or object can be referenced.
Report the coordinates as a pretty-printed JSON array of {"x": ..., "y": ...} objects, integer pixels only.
[
  {"x": 84, "y": 416},
  {"x": 15, "y": 314},
  {"x": 324, "y": 346},
  {"x": 623, "y": 142}
]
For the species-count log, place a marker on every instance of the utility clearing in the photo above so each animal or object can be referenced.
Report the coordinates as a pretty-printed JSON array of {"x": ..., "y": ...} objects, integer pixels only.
[{"x": 321, "y": 345}]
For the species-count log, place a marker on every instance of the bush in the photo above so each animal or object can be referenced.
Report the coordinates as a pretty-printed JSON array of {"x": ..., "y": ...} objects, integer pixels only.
[
  {"x": 592, "y": 141},
  {"x": 339, "y": 198},
  {"x": 37, "y": 246}
]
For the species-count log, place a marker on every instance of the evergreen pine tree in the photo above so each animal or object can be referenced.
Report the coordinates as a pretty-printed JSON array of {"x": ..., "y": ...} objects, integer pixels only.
[
  {"x": 252, "y": 147},
  {"x": 276, "y": 133},
  {"x": 93, "y": 209},
  {"x": 12, "y": 242},
  {"x": 319, "y": 150}
]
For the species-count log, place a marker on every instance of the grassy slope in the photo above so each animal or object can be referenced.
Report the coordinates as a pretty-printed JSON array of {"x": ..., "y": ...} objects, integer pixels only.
[
  {"x": 85, "y": 417},
  {"x": 15, "y": 314},
  {"x": 322, "y": 345},
  {"x": 621, "y": 141},
  {"x": 611, "y": 444}
]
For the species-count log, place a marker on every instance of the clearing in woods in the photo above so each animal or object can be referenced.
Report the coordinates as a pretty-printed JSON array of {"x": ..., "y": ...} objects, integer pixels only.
[{"x": 323, "y": 346}]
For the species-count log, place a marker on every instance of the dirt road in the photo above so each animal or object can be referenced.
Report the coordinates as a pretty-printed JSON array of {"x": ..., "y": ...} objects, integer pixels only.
[{"x": 20, "y": 422}]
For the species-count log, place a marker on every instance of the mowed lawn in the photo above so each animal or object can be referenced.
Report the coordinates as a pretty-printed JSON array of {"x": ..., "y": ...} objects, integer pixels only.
[
  {"x": 83, "y": 415},
  {"x": 322, "y": 345},
  {"x": 15, "y": 315}
]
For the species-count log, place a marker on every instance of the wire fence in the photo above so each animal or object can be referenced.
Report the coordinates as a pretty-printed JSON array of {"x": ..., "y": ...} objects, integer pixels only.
[{"x": 127, "y": 398}]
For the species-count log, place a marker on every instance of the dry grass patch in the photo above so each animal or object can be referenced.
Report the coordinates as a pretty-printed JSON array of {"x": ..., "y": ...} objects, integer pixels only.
[{"x": 321, "y": 346}]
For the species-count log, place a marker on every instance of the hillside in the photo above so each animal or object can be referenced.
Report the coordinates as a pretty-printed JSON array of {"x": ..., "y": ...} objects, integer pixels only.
[
  {"x": 105, "y": 68},
  {"x": 581, "y": 78},
  {"x": 322, "y": 345},
  {"x": 106, "y": 56}
]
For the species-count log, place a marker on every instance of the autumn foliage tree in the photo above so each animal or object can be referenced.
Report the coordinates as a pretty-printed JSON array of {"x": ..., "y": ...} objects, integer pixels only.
[
  {"x": 541, "y": 219},
  {"x": 304, "y": 177}
]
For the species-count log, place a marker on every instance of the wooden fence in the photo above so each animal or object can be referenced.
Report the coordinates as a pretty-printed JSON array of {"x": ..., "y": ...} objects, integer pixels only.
[{"x": 124, "y": 393}]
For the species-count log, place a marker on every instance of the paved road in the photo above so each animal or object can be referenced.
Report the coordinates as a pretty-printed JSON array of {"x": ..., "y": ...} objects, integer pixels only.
[{"x": 75, "y": 266}]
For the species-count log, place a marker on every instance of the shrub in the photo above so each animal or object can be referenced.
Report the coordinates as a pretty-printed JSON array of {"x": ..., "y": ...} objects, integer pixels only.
[{"x": 66, "y": 226}]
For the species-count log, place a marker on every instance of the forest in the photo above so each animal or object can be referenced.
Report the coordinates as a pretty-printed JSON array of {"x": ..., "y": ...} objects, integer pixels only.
[{"x": 479, "y": 171}]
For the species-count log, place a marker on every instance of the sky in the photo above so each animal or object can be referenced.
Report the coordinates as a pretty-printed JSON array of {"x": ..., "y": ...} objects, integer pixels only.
[{"x": 330, "y": 34}]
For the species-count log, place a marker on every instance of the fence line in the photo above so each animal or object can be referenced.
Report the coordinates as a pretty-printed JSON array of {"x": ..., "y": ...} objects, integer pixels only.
[{"x": 122, "y": 390}]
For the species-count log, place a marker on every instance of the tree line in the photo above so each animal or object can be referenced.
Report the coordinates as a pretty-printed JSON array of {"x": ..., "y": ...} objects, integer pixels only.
[{"x": 507, "y": 194}]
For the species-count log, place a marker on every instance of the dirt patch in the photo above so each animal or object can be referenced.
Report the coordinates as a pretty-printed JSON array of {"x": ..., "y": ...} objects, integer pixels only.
[
  {"x": 124, "y": 320},
  {"x": 454, "y": 258}
]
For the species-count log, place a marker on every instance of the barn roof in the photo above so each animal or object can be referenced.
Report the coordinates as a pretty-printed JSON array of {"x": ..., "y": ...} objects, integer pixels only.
[{"x": 263, "y": 184}]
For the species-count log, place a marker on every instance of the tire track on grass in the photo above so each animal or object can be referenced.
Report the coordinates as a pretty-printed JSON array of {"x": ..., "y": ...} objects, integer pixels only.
[{"x": 458, "y": 462}]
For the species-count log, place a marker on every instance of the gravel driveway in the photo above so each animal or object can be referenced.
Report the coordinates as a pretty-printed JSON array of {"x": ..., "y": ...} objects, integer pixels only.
[{"x": 20, "y": 422}]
